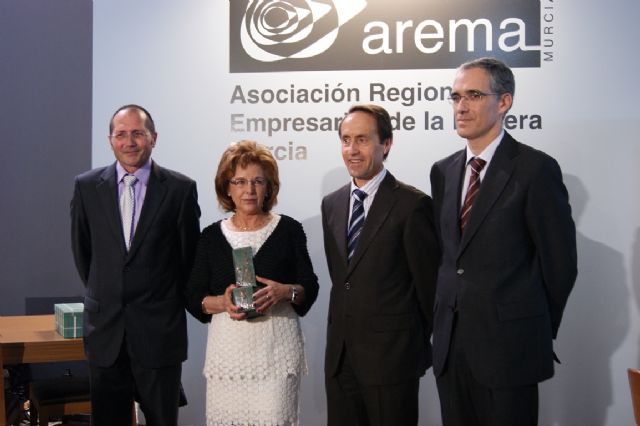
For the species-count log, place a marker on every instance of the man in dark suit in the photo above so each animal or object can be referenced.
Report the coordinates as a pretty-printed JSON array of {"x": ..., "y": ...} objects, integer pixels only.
[
  {"x": 134, "y": 230},
  {"x": 508, "y": 263},
  {"x": 382, "y": 255}
]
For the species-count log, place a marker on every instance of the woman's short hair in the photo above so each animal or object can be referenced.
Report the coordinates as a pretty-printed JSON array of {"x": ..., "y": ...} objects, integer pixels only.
[{"x": 242, "y": 154}]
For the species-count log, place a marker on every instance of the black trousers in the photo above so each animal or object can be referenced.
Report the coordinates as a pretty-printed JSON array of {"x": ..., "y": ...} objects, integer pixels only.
[
  {"x": 466, "y": 402},
  {"x": 114, "y": 388},
  {"x": 350, "y": 403}
]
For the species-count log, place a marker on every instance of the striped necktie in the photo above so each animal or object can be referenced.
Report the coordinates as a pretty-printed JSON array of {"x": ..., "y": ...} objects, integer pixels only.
[
  {"x": 128, "y": 208},
  {"x": 357, "y": 220},
  {"x": 477, "y": 164}
]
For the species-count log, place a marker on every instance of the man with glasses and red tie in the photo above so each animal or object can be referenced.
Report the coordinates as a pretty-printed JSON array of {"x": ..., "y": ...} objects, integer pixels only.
[
  {"x": 508, "y": 260},
  {"x": 134, "y": 227},
  {"x": 382, "y": 253}
]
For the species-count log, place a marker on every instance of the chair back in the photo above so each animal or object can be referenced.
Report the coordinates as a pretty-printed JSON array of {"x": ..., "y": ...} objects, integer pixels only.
[{"x": 634, "y": 384}]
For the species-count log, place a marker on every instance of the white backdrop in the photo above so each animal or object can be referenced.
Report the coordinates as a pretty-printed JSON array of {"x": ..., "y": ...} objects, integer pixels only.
[{"x": 173, "y": 58}]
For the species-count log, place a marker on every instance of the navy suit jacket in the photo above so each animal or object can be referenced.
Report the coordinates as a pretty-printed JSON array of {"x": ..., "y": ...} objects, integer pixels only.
[
  {"x": 139, "y": 293},
  {"x": 381, "y": 302},
  {"x": 509, "y": 275}
]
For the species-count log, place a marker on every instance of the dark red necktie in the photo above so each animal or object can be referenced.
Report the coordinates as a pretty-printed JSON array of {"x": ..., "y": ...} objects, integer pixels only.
[{"x": 477, "y": 164}]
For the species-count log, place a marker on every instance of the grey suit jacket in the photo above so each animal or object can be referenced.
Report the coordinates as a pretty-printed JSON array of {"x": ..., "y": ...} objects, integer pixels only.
[
  {"x": 509, "y": 275},
  {"x": 139, "y": 293},
  {"x": 381, "y": 302}
]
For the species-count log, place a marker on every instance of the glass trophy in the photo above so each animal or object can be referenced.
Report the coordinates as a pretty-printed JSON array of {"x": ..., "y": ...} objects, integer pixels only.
[{"x": 242, "y": 296}]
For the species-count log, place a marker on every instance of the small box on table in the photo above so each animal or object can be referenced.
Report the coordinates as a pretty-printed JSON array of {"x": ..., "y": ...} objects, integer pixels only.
[{"x": 69, "y": 319}]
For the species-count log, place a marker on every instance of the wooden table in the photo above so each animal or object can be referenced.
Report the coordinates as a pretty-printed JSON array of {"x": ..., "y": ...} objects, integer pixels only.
[{"x": 32, "y": 339}]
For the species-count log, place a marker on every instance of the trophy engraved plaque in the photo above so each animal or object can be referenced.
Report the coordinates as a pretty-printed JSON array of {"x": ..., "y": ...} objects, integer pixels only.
[{"x": 242, "y": 296}]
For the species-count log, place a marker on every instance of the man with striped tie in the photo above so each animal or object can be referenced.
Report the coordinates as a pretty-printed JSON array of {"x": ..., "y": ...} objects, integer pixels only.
[
  {"x": 382, "y": 254},
  {"x": 508, "y": 260},
  {"x": 134, "y": 230}
]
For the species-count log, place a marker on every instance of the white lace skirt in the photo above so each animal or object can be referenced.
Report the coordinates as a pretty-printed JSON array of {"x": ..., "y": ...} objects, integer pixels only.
[{"x": 253, "y": 369}]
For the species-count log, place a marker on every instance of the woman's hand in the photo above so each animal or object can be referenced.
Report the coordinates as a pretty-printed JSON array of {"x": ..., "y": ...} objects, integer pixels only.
[
  {"x": 232, "y": 309},
  {"x": 268, "y": 296}
]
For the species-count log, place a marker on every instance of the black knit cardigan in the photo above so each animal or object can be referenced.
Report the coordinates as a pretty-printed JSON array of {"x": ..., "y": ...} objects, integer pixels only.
[{"x": 283, "y": 258}]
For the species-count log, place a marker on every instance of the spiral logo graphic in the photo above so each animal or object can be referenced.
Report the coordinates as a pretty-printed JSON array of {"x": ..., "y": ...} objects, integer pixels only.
[{"x": 273, "y": 30}]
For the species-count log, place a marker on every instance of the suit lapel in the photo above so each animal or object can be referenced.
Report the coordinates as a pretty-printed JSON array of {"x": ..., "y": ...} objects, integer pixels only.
[
  {"x": 498, "y": 174},
  {"x": 382, "y": 204},
  {"x": 156, "y": 191},
  {"x": 339, "y": 217},
  {"x": 452, "y": 193},
  {"x": 107, "y": 190}
]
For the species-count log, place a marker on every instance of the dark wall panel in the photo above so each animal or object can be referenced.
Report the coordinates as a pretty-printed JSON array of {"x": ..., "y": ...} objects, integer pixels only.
[{"x": 45, "y": 140}]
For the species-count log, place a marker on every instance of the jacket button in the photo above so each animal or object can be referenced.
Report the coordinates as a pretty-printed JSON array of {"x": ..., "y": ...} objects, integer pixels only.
[
  {"x": 347, "y": 285},
  {"x": 460, "y": 271}
]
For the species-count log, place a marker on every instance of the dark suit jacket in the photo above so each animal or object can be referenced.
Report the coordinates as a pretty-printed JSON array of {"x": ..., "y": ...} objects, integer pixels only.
[
  {"x": 510, "y": 274},
  {"x": 381, "y": 302},
  {"x": 140, "y": 293}
]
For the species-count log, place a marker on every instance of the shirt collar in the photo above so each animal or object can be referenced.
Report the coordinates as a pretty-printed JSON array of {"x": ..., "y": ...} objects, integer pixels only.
[
  {"x": 372, "y": 185},
  {"x": 487, "y": 153},
  {"x": 142, "y": 173}
]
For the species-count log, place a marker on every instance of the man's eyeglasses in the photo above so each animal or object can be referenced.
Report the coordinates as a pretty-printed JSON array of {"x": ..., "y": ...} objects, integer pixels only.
[
  {"x": 470, "y": 96},
  {"x": 242, "y": 182},
  {"x": 136, "y": 135}
]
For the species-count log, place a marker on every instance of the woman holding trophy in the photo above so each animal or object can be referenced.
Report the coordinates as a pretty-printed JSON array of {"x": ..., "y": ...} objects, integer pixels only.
[{"x": 259, "y": 260}]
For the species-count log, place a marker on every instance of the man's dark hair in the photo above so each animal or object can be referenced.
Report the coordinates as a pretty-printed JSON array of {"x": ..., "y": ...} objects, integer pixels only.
[{"x": 148, "y": 123}]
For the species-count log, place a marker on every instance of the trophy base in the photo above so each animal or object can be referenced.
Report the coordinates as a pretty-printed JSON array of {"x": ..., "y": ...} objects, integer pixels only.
[
  {"x": 251, "y": 313},
  {"x": 242, "y": 297}
]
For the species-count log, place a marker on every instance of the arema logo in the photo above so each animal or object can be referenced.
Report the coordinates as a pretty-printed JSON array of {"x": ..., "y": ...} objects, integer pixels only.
[
  {"x": 276, "y": 30},
  {"x": 315, "y": 35}
]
